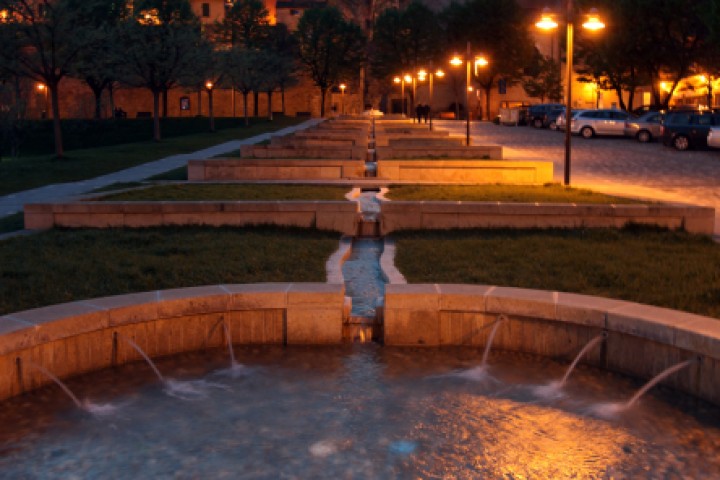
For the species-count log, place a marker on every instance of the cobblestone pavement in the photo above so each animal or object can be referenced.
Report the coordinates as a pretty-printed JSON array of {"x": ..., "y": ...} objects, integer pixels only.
[{"x": 612, "y": 164}]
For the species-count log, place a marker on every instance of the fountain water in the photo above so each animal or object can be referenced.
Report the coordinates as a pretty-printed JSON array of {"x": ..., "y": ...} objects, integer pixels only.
[
  {"x": 611, "y": 409},
  {"x": 491, "y": 337},
  {"x": 233, "y": 363},
  {"x": 55, "y": 379},
  {"x": 141, "y": 352},
  {"x": 552, "y": 389},
  {"x": 479, "y": 373}
]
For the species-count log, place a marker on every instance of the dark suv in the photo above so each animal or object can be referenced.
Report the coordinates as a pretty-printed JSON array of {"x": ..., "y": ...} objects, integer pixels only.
[
  {"x": 537, "y": 114},
  {"x": 685, "y": 130}
]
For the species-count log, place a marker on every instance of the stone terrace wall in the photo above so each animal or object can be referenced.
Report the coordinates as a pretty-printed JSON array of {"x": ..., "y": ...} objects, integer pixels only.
[
  {"x": 273, "y": 169},
  {"x": 466, "y": 171},
  {"x": 641, "y": 340},
  {"x": 400, "y": 215},
  {"x": 339, "y": 216},
  {"x": 79, "y": 337}
]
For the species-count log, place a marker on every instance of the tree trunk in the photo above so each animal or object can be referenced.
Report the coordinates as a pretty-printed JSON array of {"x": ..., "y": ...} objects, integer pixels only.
[
  {"x": 156, "y": 116},
  {"x": 282, "y": 99},
  {"x": 322, "y": 101},
  {"x": 98, "y": 102},
  {"x": 486, "y": 114},
  {"x": 270, "y": 113},
  {"x": 59, "y": 152},
  {"x": 165, "y": 102},
  {"x": 245, "y": 109},
  {"x": 111, "y": 94},
  {"x": 256, "y": 102}
]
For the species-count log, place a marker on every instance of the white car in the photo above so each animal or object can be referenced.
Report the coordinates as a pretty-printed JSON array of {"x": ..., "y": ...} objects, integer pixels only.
[
  {"x": 713, "y": 138},
  {"x": 599, "y": 122}
]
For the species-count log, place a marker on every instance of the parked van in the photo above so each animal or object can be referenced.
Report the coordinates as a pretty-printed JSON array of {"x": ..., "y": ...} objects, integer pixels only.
[{"x": 589, "y": 123}]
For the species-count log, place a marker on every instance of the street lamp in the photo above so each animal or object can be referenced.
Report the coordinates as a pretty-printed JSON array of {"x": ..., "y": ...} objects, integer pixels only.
[
  {"x": 547, "y": 22},
  {"x": 209, "y": 87},
  {"x": 437, "y": 73},
  {"x": 342, "y": 98},
  {"x": 43, "y": 90},
  {"x": 479, "y": 61}
]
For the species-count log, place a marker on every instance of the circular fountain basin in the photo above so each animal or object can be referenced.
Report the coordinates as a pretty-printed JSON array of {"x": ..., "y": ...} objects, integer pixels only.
[{"x": 356, "y": 412}]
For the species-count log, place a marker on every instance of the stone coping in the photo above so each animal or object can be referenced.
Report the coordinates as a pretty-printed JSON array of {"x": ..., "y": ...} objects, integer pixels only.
[
  {"x": 63, "y": 337},
  {"x": 441, "y": 152},
  {"x": 642, "y": 340},
  {"x": 403, "y": 215},
  {"x": 339, "y": 215},
  {"x": 251, "y": 169},
  {"x": 465, "y": 171}
]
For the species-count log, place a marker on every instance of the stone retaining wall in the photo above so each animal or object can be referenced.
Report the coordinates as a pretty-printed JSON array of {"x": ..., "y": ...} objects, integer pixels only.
[
  {"x": 466, "y": 171},
  {"x": 642, "y": 340},
  {"x": 399, "y": 215},
  {"x": 493, "y": 152},
  {"x": 79, "y": 337},
  {"x": 341, "y": 216},
  {"x": 274, "y": 169},
  {"x": 300, "y": 152}
]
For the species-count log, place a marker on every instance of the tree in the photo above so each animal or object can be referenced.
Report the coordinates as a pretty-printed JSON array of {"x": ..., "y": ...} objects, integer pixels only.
[
  {"x": 43, "y": 41},
  {"x": 404, "y": 40},
  {"x": 544, "y": 81},
  {"x": 330, "y": 48},
  {"x": 97, "y": 63},
  {"x": 245, "y": 72},
  {"x": 498, "y": 29},
  {"x": 285, "y": 46},
  {"x": 245, "y": 24},
  {"x": 161, "y": 43}
]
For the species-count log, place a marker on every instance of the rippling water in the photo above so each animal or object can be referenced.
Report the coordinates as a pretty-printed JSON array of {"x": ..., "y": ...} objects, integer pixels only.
[
  {"x": 363, "y": 276},
  {"x": 356, "y": 412}
]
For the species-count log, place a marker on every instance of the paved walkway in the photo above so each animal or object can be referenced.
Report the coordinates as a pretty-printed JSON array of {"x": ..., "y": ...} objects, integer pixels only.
[
  {"x": 13, "y": 203},
  {"x": 612, "y": 165}
]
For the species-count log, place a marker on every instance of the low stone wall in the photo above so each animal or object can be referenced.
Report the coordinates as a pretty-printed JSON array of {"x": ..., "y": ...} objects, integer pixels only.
[
  {"x": 311, "y": 142},
  {"x": 641, "y": 341},
  {"x": 274, "y": 169},
  {"x": 466, "y": 171},
  {"x": 309, "y": 152},
  {"x": 493, "y": 152},
  {"x": 80, "y": 337},
  {"x": 339, "y": 216},
  {"x": 398, "y": 215}
]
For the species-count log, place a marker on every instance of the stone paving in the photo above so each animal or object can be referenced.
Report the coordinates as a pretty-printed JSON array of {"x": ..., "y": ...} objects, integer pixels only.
[
  {"x": 613, "y": 165},
  {"x": 13, "y": 203}
]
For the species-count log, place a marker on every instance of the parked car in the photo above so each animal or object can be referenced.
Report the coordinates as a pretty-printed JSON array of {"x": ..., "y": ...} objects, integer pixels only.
[
  {"x": 685, "y": 130},
  {"x": 560, "y": 121},
  {"x": 552, "y": 117},
  {"x": 713, "y": 138},
  {"x": 590, "y": 123},
  {"x": 537, "y": 114},
  {"x": 645, "y": 128}
]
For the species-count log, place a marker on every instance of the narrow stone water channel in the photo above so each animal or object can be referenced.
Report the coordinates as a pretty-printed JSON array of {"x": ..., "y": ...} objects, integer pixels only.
[{"x": 364, "y": 280}]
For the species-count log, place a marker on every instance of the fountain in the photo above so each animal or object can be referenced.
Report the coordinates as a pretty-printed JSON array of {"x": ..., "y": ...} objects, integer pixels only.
[
  {"x": 553, "y": 389},
  {"x": 479, "y": 373}
]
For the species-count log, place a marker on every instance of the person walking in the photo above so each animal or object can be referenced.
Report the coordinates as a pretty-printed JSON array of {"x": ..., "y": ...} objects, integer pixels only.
[{"x": 419, "y": 112}]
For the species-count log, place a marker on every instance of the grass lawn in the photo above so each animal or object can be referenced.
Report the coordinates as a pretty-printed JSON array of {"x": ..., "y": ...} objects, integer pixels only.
[
  {"x": 551, "y": 193},
  {"x": 66, "y": 265},
  {"x": 30, "y": 172},
  {"x": 663, "y": 268},
  {"x": 197, "y": 192}
]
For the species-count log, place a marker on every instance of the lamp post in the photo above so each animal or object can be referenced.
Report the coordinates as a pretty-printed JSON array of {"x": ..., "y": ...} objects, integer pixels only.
[
  {"x": 399, "y": 81},
  {"x": 547, "y": 22},
  {"x": 42, "y": 89},
  {"x": 342, "y": 98},
  {"x": 438, "y": 73},
  {"x": 480, "y": 61},
  {"x": 209, "y": 87}
]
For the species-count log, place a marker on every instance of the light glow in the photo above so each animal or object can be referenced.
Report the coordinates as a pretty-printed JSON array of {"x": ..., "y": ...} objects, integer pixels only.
[
  {"x": 439, "y": 74},
  {"x": 456, "y": 61},
  {"x": 546, "y": 22},
  {"x": 408, "y": 79},
  {"x": 593, "y": 22},
  {"x": 343, "y": 87},
  {"x": 209, "y": 85},
  {"x": 41, "y": 87},
  {"x": 397, "y": 80}
]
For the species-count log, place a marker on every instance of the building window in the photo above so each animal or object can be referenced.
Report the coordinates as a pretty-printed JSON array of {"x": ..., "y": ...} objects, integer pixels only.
[{"x": 205, "y": 9}]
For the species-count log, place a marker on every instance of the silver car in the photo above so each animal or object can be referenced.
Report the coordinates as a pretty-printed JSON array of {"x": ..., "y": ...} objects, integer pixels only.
[
  {"x": 599, "y": 122},
  {"x": 645, "y": 128},
  {"x": 713, "y": 138}
]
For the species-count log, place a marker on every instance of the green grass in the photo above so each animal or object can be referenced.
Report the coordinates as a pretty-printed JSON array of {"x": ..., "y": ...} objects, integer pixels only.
[
  {"x": 663, "y": 268},
  {"x": 30, "y": 172},
  {"x": 66, "y": 265},
  {"x": 551, "y": 193},
  {"x": 12, "y": 223},
  {"x": 197, "y": 192}
]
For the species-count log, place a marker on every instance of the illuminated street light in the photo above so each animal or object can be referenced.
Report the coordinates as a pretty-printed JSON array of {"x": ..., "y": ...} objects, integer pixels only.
[
  {"x": 342, "y": 98},
  {"x": 209, "y": 87},
  {"x": 438, "y": 73},
  {"x": 401, "y": 82},
  {"x": 547, "y": 22},
  {"x": 478, "y": 61}
]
